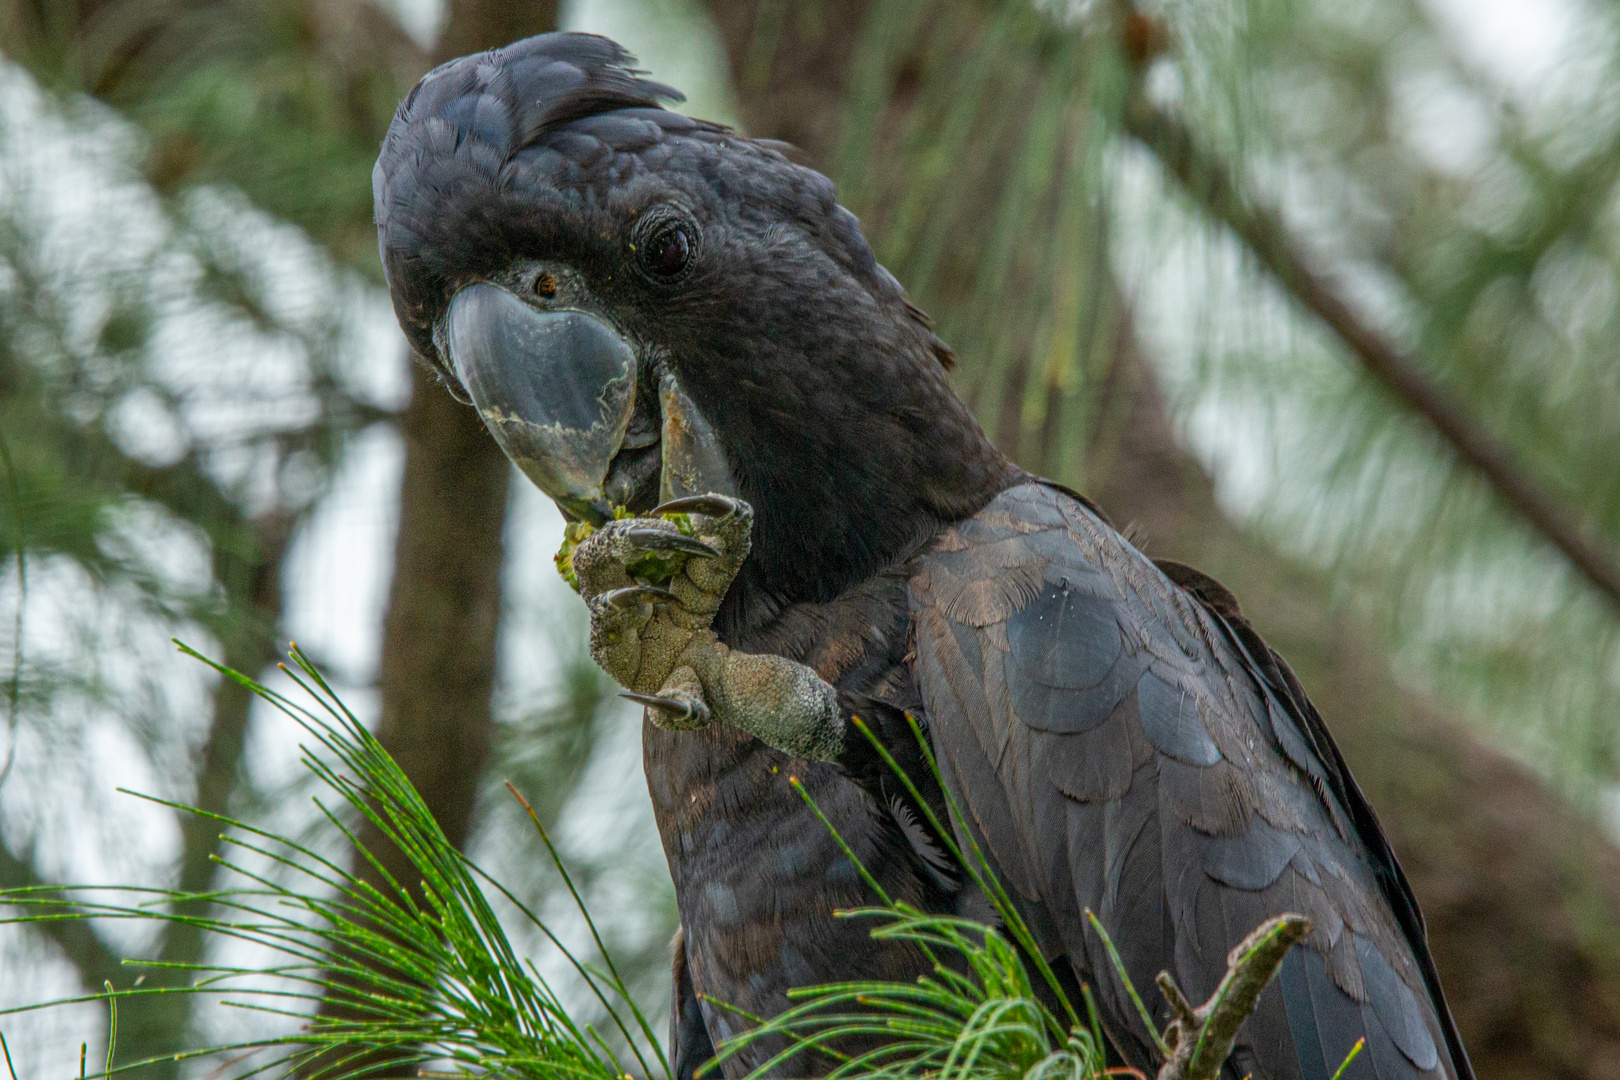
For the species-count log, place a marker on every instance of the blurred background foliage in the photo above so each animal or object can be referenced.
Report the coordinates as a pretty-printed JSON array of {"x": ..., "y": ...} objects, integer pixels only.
[{"x": 1129, "y": 222}]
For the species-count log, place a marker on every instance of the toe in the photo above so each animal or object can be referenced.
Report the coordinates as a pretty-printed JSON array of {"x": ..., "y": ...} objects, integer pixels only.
[
  {"x": 714, "y": 506},
  {"x": 634, "y": 596},
  {"x": 650, "y": 539},
  {"x": 682, "y": 712}
]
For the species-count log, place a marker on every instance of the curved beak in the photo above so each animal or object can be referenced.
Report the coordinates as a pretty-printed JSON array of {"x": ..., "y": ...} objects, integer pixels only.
[{"x": 556, "y": 388}]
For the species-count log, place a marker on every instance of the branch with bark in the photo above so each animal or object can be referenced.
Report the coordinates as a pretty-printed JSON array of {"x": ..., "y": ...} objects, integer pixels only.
[
  {"x": 1210, "y": 182},
  {"x": 1200, "y": 1039},
  {"x": 437, "y": 670}
]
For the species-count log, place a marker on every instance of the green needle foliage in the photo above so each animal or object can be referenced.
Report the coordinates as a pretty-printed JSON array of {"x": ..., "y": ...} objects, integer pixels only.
[
  {"x": 989, "y": 195},
  {"x": 409, "y": 973},
  {"x": 980, "y": 1018},
  {"x": 397, "y": 976},
  {"x": 977, "y": 1015}
]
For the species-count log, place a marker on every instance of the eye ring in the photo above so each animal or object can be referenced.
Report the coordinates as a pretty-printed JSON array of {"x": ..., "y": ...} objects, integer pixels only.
[{"x": 665, "y": 246}]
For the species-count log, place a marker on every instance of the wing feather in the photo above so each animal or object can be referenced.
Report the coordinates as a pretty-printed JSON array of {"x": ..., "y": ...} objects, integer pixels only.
[
  {"x": 1123, "y": 745},
  {"x": 1096, "y": 765},
  {"x": 1339, "y": 1023},
  {"x": 1217, "y": 799},
  {"x": 1169, "y": 713}
]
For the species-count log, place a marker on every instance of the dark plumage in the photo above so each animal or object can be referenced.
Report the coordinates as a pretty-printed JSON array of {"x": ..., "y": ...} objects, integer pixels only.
[{"x": 1120, "y": 737}]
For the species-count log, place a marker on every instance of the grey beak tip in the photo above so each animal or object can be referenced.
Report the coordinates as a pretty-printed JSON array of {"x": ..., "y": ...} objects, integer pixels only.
[{"x": 556, "y": 388}]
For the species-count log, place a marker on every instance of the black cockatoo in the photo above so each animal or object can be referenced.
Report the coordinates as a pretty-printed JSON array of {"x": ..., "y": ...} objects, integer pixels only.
[{"x": 681, "y": 337}]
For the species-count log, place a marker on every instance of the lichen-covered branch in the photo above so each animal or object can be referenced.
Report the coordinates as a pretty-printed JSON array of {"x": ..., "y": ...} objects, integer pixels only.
[{"x": 1200, "y": 1039}]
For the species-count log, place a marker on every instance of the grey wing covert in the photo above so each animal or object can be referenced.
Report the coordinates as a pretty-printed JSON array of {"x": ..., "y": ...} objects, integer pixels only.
[{"x": 1115, "y": 747}]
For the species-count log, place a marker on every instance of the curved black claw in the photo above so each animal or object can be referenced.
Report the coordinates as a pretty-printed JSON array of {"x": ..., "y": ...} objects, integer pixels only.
[
  {"x": 665, "y": 540},
  {"x": 636, "y": 595},
  {"x": 715, "y": 506},
  {"x": 680, "y": 712}
]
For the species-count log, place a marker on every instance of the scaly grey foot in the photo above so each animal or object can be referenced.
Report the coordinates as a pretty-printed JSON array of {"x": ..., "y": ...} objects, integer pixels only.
[{"x": 653, "y": 592}]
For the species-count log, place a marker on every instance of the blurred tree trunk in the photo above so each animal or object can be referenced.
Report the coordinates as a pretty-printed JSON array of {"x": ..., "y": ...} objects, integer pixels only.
[
  {"x": 437, "y": 669},
  {"x": 436, "y": 674},
  {"x": 1518, "y": 889}
]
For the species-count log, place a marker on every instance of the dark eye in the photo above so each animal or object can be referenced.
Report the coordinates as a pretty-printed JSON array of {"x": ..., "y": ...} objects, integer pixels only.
[{"x": 669, "y": 253}]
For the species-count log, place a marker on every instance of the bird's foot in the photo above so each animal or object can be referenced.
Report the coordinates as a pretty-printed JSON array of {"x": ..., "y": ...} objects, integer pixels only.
[
  {"x": 653, "y": 585},
  {"x": 679, "y": 704}
]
